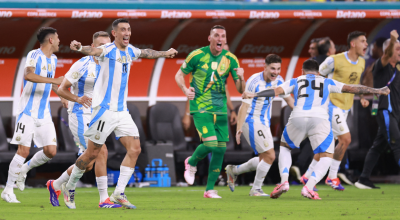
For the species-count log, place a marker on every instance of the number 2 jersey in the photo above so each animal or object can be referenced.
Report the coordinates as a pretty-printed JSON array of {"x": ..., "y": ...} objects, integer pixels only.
[
  {"x": 311, "y": 95},
  {"x": 35, "y": 96},
  {"x": 209, "y": 74}
]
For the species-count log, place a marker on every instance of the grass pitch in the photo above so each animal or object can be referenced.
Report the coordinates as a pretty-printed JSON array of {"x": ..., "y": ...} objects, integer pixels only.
[{"x": 187, "y": 203}]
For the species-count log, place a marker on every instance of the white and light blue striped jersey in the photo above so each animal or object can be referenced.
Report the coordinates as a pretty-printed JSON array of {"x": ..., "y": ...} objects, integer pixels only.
[
  {"x": 35, "y": 96},
  {"x": 311, "y": 95},
  {"x": 111, "y": 88},
  {"x": 82, "y": 75},
  {"x": 260, "y": 107}
]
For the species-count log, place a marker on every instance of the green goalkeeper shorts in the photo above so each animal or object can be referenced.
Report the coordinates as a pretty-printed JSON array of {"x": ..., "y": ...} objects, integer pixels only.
[{"x": 208, "y": 125}]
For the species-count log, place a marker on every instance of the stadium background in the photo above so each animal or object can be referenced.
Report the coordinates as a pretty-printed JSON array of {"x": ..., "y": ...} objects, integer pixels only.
[{"x": 254, "y": 30}]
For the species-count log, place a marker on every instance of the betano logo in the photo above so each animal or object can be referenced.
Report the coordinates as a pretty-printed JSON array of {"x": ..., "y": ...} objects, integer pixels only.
[
  {"x": 350, "y": 14},
  {"x": 5, "y": 14},
  {"x": 250, "y": 48},
  {"x": 264, "y": 14},
  {"x": 87, "y": 14},
  {"x": 7, "y": 50},
  {"x": 176, "y": 14}
]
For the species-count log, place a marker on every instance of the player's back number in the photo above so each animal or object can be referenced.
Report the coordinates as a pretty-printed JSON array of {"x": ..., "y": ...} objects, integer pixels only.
[{"x": 304, "y": 94}]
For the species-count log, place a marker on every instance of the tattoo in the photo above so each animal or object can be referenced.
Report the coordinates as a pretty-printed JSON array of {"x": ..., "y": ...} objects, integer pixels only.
[
  {"x": 97, "y": 145},
  {"x": 152, "y": 54},
  {"x": 339, "y": 152},
  {"x": 81, "y": 164},
  {"x": 135, "y": 137},
  {"x": 92, "y": 51},
  {"x": 359, "y": 89}
]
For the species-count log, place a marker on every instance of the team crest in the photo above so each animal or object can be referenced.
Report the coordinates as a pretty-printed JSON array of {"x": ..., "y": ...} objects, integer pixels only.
[
  {"x": 49, "y": 67},
  {"x": 223, "y": 67},
  {"x": 184, "y": 65},
  {"x": 75, "y": 75},
  {"x": 205, "y": 130},
  {"x": 398, "y": 67},
  {"x": 214, "y": 65},
  {"x": 97, "y": 137},
  {"x": 18, "y": 138},
  {"x": 32, "y": 62}
]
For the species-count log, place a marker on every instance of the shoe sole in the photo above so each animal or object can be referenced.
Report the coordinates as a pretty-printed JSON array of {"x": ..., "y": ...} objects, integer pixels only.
[
  {"x": 230, "y": 185},
  {"x": 186, "y": 162},
  {"x": 48, "y": 184},
  {"x": 344, "y": 179},
  {"x": 361, "y": 186},
  {"x": 277, "y": 195}
]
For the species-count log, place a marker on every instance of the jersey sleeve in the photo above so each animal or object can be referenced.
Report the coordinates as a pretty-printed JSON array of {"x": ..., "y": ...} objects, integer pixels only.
[
  {"x": 335, "y": 86},
  {"x": 75, "y": 72},
  {"x": 134, "y": 52},
  {"x": 31, "y": 59},
  {"x": 288, "y": 86},
  {"x": 234, "y": 64},
  {"x": 327, "y": 66},
  {"x": 249, "y": 88},
  {"x": 190, "y": 62},
  {"x": 106, "y": 49},
  {"x": 280, "y": 82}
]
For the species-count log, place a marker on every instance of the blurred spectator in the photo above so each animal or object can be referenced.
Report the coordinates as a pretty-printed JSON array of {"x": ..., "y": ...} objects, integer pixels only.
[
  {"x": 376, "y": 52},
  {"x": 326, "y": 47},
  {"x": 313, "y": 49}
]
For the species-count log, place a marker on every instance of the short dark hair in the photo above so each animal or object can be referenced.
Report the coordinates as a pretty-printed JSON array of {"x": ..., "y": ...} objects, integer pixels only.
[
  {"x": 353, "y": 35},
  {"x": 100, "y": 34},
  {"x": 323, "y": 46},
  {"x": 119, "y": 20},
  {"x": 272, "y": 58},
  {"x": 217, "y": 27},
  {"x": 43, "y": 32},
  {"x": 315, "y": 40},
  {"x": 310, "y": 65},
  {"x": 379, "y": 42}
]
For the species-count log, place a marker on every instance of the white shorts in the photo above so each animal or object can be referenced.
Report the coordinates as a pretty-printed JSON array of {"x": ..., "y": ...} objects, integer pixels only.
[
  {"x": 338, "y": 118},
  {"x": 318, "y": 130},
  {"x": 78, "y": 124},
  {"x": 42, "y": 131},
  {"x": 258, "y": 136},
  {"x": 105, "y": 121}
]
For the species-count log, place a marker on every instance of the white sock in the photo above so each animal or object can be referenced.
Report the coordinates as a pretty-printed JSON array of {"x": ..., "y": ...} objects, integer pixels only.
[
  {"x": 333, "y": 170},
  {"x": 76, "y": 174},
  {"x": 62, "y": 179},
  {"x": 13, "y": 170},
  {"x": 124, "y": 177},
  {"x": 102, "y": 187},
  {"x": 249, "y": 166},
  {"x": 319, "y": 172},
  {"x": 285, "y": 161},
  {"x": 262, "y": 170},
  {"x": 310, "y": 169},
  {"x": 38, "y": 159}
]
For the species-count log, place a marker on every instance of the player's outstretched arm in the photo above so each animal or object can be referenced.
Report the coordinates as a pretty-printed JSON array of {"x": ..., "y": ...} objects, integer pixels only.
[
  {"x": 87, "y": 50},
  {"x": 359, "y": 89},
  {"x": 29, "y": 75},
  {"x": 264, "y": 93},
  {"x": 153, "y": 54},
  {"x": 63, "y": 92},
  {"x": 388, "y": 53},
  {"x": 241, "y": 118}
]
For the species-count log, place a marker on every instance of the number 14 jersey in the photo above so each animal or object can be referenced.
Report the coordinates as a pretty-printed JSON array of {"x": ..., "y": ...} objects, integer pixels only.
[{"x": 311, "y": 95}]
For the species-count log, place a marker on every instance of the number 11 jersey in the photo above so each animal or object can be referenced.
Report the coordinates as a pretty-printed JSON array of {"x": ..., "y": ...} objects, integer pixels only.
[{"x": 311, "y": 95}]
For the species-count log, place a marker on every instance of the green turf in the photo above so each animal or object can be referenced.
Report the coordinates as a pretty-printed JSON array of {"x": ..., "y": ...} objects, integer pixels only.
[{"x": 187, "y": 203}]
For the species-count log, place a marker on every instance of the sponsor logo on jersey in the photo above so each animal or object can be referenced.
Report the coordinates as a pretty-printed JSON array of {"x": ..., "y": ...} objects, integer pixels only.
[
  {"x": 87, "y": 14},
  {"x": 350, "y": 14},
  {"x": 205, "y": 130},
  {"x": 217, "y": 170},
  {"x": 176, "y": 14},
  {"x": 75, "y": 75},
  {"x": 18, "y": 138},
  {"x": 205, "y": 66},
  {"x": 250, "y": 48},
  {"x": 264, "y": 14},
  {"x": 6, "y": 14},
  {"x": 44, "y": 68},
  {"x": 214, "y": 65},
  {"x": 91, "y": 75}
]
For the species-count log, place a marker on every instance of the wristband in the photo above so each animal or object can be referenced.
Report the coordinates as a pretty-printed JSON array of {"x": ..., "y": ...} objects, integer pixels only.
[{"x": 80, "y": 49}]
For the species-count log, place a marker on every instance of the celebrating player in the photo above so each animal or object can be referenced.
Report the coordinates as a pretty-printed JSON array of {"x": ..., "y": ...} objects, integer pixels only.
[
  {"x": 346, "y": 68},
  {"x": 109, "y": 108},
  {"x": 34, "y": 119},
  {"x": 210, "y": 67},
  {"x": 254, "y": 121},
  {"x": 81, "y": 78},
  {"x": 310, "y": 119}
]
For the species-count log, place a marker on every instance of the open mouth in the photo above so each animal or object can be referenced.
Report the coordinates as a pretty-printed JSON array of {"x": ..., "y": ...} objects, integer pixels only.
[
  {"x": 364, "y": 50},
  {"x": 219, "y": 46},
  {"x": 126, "y": 40}
]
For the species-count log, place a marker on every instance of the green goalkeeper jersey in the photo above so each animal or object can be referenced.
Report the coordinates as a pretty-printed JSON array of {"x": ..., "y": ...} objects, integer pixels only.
[{"x": 208, "y": 78}]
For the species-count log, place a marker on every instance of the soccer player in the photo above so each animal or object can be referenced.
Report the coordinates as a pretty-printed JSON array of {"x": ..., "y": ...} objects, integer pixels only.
[
  {"x": 210, "y": 67},
  {"x": 81, "y": 78},
  {"x": 34, "y": 119},
  {"x": 109, "y": 108},
  {"x": 346, "y": 68},
  {"x": 310, "y": 119},
  {"x": 254, "y": 121},
  {"x": 386, "y": 72}
]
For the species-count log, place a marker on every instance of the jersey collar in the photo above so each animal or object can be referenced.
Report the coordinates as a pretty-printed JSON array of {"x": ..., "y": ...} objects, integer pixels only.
[{"x": 348, "y": 59}]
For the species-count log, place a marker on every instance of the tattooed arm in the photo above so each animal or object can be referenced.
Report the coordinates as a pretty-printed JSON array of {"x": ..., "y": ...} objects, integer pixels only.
[
  {"x": 359, "y": 89},
  {"x": 87, "y": 50},
  {"x": 152, "y": 54}
]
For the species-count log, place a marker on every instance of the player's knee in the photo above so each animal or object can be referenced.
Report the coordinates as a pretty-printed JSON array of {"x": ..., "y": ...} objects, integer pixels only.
[
  {"x": 50, "y": 152},
  {"x": 220, "y": 149},
  {"x": 89, "y": 167},
  {"x": 23, "y": 151},
  {"x": 271, "y": 157},
  {"x": 134, "y": 151}
]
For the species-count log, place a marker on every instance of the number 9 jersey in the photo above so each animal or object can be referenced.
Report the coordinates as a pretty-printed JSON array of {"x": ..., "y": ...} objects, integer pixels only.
[{"x": 311, "y": 95}]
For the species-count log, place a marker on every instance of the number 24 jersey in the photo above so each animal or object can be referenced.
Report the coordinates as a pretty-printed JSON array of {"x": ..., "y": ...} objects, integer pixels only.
[{"x": 311, "y": 95}]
